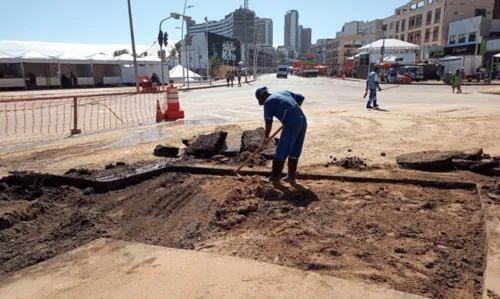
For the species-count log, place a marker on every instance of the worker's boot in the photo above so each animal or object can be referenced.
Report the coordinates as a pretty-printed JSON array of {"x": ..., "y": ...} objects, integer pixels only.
[
  {"x": 292, "y": 170},
  {"x": 375, "y": 104},
  {"x": 277, "y": 171}
]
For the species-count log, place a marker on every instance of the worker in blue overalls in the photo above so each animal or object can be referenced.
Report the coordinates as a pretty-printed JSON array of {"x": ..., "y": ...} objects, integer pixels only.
[{"x": 285, "y": 106}]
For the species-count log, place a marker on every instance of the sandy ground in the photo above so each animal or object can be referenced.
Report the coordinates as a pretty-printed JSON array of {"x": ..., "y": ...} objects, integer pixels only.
[{"x": 421, "y": 241}]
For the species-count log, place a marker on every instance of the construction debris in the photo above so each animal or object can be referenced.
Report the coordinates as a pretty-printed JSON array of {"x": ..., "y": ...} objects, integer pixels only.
[
  {"x": 232, "y": 144},
  {"x": 252, "y": 139},
  {"x": 166, "y": 151},
  {"x": 206, "y": 146},
  {"x": 348, "y": 163},
  {"x": 469, "y": 160}
]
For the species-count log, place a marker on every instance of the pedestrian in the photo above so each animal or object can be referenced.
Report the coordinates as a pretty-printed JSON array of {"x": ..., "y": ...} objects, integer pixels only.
[
  {"x": 452, "y": 81},
  {"x": 154, "y": 81},
  {"x": 463, "y": 76},
  {"x": 458, "y": 81},
  {"x": 239, "y": 79},
  {"x": 227, "y": 78},
  {"x": 74, "y": 80},
  {"x": 371, "y": 85},
  {"x": 232, "y": 79},
  {"x": 285, "y": 106}
]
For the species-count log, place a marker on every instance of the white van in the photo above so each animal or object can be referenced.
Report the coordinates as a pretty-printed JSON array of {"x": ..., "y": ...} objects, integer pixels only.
[{"x": 282, "y": 71}]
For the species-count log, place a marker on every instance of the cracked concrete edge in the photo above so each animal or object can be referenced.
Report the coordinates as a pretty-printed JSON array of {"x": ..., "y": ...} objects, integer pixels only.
[{"x": 491, "y": 276}]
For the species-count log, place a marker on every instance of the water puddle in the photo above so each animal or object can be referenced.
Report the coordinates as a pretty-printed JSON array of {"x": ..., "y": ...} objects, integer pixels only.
[{"x": 143, "y": 136}]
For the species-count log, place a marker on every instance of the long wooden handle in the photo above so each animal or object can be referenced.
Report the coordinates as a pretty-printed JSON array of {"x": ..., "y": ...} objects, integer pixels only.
[{"x": 257, "y": 151}]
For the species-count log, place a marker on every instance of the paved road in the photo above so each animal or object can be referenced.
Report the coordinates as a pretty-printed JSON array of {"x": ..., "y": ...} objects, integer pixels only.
[{"x": 239, "y": 104}]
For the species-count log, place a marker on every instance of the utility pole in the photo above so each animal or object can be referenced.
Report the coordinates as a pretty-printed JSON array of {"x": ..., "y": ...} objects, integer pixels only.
[
  {"x": 136, "y": 70},
  {"x": 208, "y": 51}
]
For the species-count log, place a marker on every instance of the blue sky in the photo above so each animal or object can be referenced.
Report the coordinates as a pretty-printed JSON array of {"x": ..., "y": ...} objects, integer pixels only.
[{"x": 106, "y": 21}]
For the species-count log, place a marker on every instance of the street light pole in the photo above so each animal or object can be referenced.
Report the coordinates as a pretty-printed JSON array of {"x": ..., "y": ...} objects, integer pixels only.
[
  {"x": 133, "y": 45},
  {"x": 184, "y": 44},
  {"x": 208, "y": 56}
]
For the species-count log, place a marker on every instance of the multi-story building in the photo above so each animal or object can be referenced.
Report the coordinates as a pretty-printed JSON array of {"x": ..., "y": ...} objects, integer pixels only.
[
  {"x": 345, "y": 47},
  {"x": 351, "y": 28},
  {"x": 299, "y": 44},
  {"x": 291, "y": 29},
  {"x": 264, "y": 31},
  {"x": 239, "y": 25},
  {"x": 305, "y": 40},
  {"x": 427, "y": 22},
  {"x": 371, "y": 31}
]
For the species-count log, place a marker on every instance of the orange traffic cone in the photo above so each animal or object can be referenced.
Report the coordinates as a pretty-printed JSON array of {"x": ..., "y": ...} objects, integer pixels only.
[{"x": 159, "y": 114}]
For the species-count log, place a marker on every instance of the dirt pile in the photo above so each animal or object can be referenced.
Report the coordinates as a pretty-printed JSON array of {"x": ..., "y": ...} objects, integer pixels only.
[
  {"x": 491, "y": 192},
  {"x": 348, "y": 163},
  {"x": 166, "y": 151},
  {"x": 420, "y": 240}
]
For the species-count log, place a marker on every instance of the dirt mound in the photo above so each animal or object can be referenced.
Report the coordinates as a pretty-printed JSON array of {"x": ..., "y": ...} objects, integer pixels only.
[
  {"x": 419, "y": 240},
  {"x": 348, "y": 163}
]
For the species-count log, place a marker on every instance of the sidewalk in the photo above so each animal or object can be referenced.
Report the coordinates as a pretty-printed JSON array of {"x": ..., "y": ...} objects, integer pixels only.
[
  {"x": 425, "y": 83},
  {"x": 218, "y": 83},
  {"x": 494, "y": 91}
]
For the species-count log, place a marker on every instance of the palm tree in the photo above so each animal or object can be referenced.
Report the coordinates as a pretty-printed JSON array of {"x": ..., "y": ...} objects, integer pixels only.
[
  {"x": 173, "y": 54},
  {"x": 178, "y": 48}
]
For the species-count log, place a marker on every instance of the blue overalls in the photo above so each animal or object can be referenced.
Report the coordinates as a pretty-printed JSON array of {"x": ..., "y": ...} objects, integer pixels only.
[{"x": 284, "y": 105}]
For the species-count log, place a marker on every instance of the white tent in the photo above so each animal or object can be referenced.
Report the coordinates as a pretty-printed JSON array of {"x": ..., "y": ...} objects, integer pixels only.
[
  {"x": 149, "y": 59},
  {"x": 7, "y": 58},
  {"x": 100, "y": 58},
  {"x": 35, "y": 57},
  {"x": 390, "y": 45},
  {"x": 390, "y": 59},
  {"x": 176, "y": 72},
  {"x": 72, "y": 58},
  {"x": 124, "y": 57}
]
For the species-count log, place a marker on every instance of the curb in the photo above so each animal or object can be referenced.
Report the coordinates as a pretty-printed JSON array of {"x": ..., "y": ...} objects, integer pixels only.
[{"x": 210, "y": 86}]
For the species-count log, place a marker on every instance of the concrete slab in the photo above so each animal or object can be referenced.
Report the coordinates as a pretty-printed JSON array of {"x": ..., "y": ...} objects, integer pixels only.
[
  {"x": 232, "y": 147},
  {"x": 116, "y": 269}
]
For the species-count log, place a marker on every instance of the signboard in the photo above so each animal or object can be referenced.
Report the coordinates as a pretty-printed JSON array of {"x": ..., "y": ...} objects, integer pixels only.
[
  {"x": 318, "y": 57},
  {"x": 459, "y": 50}
]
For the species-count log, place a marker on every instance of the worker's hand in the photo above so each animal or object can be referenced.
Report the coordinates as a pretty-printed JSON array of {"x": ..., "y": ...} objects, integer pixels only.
[{"x": 366, "y": 89}]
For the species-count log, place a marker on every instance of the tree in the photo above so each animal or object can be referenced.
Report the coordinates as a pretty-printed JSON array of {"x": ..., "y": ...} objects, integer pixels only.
[
  {"x": 143, "y": 54},
  {"x": 282, "y": 57},
  {"x": 215, "y": 63},
  {"x": 120, "y": 52},
  {"x": 178, "y": 48},
  {"x": 173, "y": 54},
  {"x": 162, "y": 55}
]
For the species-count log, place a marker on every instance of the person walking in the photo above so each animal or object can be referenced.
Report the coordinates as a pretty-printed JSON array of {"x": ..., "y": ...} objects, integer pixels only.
[
  {"x": 371, "y": 85},
  {"x": 154, "y": 81},
  {"x": 285, "y": 106},
  {"x": 458, "y": 81},
  {"x": 239, "y": 79},
  {"x": 227, "y": 78},
  {"x": 232, "y": 79}
]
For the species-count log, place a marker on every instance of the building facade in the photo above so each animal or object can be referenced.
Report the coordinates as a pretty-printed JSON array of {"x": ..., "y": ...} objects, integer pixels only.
[
  {"x": 264, "y": 31},
  {"x": 291, "y": 29},
  {"x": 371, "y": 31},
  {"x": 239, "y": 25},
  {"x": 427, "y": 22},
  {"x": 305, "y": 40},
  {"x": 350, "y": 29}
]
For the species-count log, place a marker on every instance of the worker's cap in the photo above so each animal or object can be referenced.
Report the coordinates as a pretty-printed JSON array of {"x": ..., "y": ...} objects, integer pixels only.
[
  {"x": 259, "y": 92},
  {"x": 463, "y": 68}
]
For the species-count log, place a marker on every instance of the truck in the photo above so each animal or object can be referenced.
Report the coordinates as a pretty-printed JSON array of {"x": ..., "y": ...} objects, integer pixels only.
[{"x": 454, "y": 63}]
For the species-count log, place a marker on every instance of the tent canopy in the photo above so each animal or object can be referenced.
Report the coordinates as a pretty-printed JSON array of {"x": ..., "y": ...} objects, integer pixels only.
[
  {"x": 176, "y": 72},
  {"x": 450, "y": 58},
  {"x": 35, "y": 57},
  {"x": 497, "y": 55},
  {"x": 390, "y": 45},
  {"x": 391, "y": 58},
  {"x": 72, "y": 58}
]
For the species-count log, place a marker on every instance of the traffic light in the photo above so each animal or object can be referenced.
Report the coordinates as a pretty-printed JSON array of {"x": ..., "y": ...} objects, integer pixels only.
[
  {"x": 160, "y": 38},
  {"x": 165, "y": 39}
]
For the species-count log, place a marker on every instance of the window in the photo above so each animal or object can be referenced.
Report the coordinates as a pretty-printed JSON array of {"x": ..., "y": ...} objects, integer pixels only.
[
  {"x": 453, "y": 39},
  {"x": 403, "y": 25},
  {"x": 398, "y": 12},
  {"x": 390, "y": 36},
  {"x": 414, "y": 6},
  {"x": 437, "y": 16},
  {"x": 461, "y": 38},
  {"x": 397, "y": 26},
  {"x": 480, "y": 12},
  {"x": 384, "y": 27},
  {"x": 391, "y": 26},
  {"x": 429, "y": 18},
  {"x": 417, "y": 37},
  {"x": 419, "y": 21},
  {"x": 410, "y": 38},
  {"x": 396, "y": 37},
  {"x": 411, "y": 24},
  {"x": 435, "y": 35},
  {"x": 430, "y": 1},
  {"x": 427, "y": 35},
  {"x": 472, "y": 37},
  {"x": 402, "y": 37}
]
